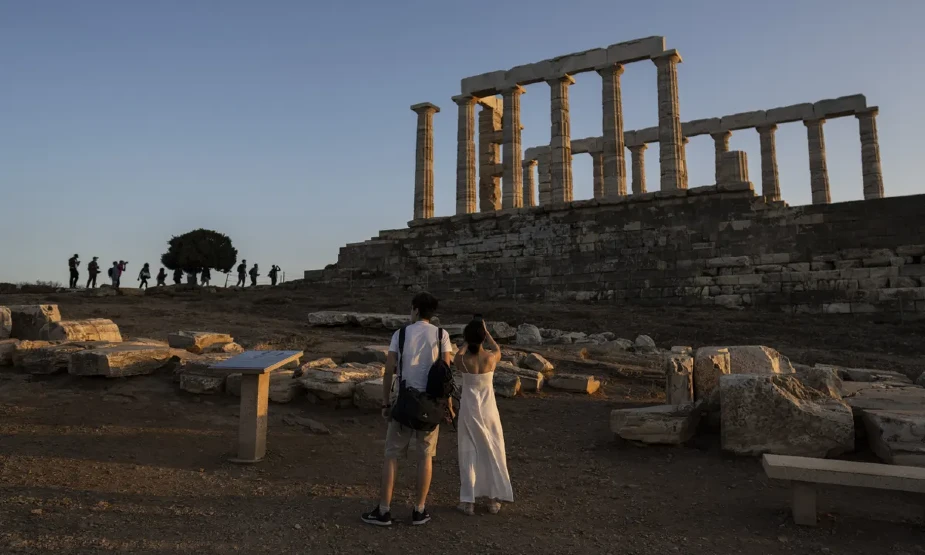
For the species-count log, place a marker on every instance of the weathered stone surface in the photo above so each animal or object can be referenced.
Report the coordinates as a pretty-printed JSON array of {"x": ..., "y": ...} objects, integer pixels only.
[
  {"x": 94, "y": 329},
  {"x": 197, "y": 341},
  {"x": 24, "y": 346},
  {"x": 530, "y": 380},
  {"x": 6, "y": 323},
  {"x": 7, "y": 348},
  {"x": 184, "y": 362},
  {"x": 757, "y": 359},
  {"x": 340, "y": 382},
  {"x": 663, "y": 424},
  {"x": 537, "y": 363},
  {"x": 866, "y": 374},
  {"x": 645, "y": 342},
  {"x": 368, "y": 395},
  {"x": 843, "y": 105},
  {"x": 897, "y": 437},
  {"x": 203, "y": 384},
  {"x": 776, "y": 414},
  {"x": 51, "y": 359},
  {"x": 313, "y": 426},
  {"x": 679, "y": 382},
  {"x": 501, "y": 330},
  {"x": 230, "y": 348},
  {"x": 745, "y": 120},
  {"x": 368, "y": 354},
  {"x": 528, "y": 334},
  {"x": 117, "y": 362},
  {"x": 574, "y": 383},
  {"x": 824, "y": 380},
  {"x": 506, "y": 385},
  {"x": 29, "y": 320},
  {"x": 710, "y": 363}
]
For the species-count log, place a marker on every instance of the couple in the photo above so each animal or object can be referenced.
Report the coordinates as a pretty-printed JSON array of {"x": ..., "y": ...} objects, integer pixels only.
[{"x": 482, "y": 461}]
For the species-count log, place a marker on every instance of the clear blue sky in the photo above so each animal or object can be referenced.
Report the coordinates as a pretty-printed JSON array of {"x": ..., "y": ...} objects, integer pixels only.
[{"x": 286, "y": 124}]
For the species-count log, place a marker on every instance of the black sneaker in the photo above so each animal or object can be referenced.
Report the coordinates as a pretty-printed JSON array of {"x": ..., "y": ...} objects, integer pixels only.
[
  {"x": 418, "y": 518},
  {"x": 376, "y": 518}
]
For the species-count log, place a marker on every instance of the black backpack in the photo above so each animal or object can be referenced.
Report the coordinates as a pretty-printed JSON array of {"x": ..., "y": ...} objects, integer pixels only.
[{"x": 423, "y": 410}]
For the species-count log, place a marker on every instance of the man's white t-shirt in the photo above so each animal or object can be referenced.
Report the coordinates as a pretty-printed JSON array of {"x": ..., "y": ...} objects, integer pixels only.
[{"x": 421, "y": 351}]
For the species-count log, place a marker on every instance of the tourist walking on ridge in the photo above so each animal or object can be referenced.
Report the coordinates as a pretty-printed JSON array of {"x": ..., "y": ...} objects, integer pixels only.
[
  {"x": 254, "y": 275},
  {"x": 424, "y": 344},
  {"x": 205, "y": 277},
  {"x": 93, "y": 270},
  {"x": 162, "y": 278},
  {"x": 143, "y": 276},
  {"x": 177, "y": 276},
  {"x": 242, "y": 274},
  {"x": 72, "y": 264},
  {"x": 482, "y": 458},
  {"x": 274, "y": 273}
]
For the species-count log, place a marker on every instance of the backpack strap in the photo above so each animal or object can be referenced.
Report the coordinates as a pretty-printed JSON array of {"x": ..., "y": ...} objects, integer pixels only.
[
  {"x": 401, "y": 349},
  {"x": 440, "y": 343}
]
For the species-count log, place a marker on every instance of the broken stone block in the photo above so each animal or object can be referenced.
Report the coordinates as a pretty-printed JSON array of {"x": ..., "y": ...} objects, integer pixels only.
[
  {"x": 501, "y": 330},
  {"x": 197, "y": 341},
  {"x": 6, "y": 323},
  {"x": 663, "y": 424},
  {"x": 682, "y": 350},
  {"x": 29, "y": 320},
  {"x": 528, "y": 334},
  {"x": 340, "y": 382},
  {"x": 120, "y": 361},
  {"x": 368, "y": 395},
  {"x": 776, "y": 414},
  {"x": 824, "y": 380},
  {"x": 867, "y": 374},
  {"x": 50, "y": 359},
  {"x": 24, "y": 346},
  {"x": 506, "y": 385},
  {"x": 897, "y": 437},
  {"x": 530, "y": 380},
  {"x": 368, "y": 354},
  {"x": 320, "y": 363},
  {"x": 7, "y": 348},
  {"x": 230, "y": 348},
  {"x": 203, "y": 384},
  {"x": 574, "y": 383},
  {"x": 757, "y": 359},
  {"x": 328, "y": 318},
  {"x": 93, "y": 329},
  {"x": 679, "y": 382},
  {"x": 710, "y": 363},
  {"x": 284, "y": 387},
  {"x": 537, "y": 363}
]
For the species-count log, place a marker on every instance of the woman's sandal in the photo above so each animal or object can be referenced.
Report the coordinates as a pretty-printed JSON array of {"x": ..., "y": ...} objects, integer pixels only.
[
  {"x": 494, "y": 507},
  {"x": 467, "y": 509}
]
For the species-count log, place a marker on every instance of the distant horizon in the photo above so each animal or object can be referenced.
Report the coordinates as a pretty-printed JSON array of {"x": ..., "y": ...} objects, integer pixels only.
[{"x": 287, "y": 126}]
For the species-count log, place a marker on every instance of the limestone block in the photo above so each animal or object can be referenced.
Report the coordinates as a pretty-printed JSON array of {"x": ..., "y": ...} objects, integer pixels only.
[
  {"x": 203, "y": 384},
  {"x": 368, "y": 395},
  {"x": 7, "y": 348},
  {"x": 528, "y": 334},
  {"x": 340, "y": 382},
  {"x": 484, "y": 84},
  {"x": 757, "y": 359},
  {"x": 284, "y": 387},
  {"x": 506, "y": 385},
  {"x": 367, "y": 354},
  {"x": 328, "y": 318},
  {"x": 29, "y": 320},
  {"x": 530, "y": 380},
  {"x": 645, "y": 136},
  {"x": 786, "y": 114},
  {"x": 679, "y": 383},
  {"x": 866, "y": 374},
  {"x": 635, "y": 50},
  {"x": 120, "y": 361},
  {"x": 710, "y": 363},
  {"x": 51, "y": 359},
  {"x": 575, "y": 383},
  {"x": 824, "y": 380},
  {"x": 897, "y": 437},
  {"x": 537, "y": 363},
  {"x": 319, "y": 364},
  {"x": 184, "y": 362},
  {"x": 744, "y": 120},
  {"x": 501, "y": 330},
  {"x": 776, "y": 414},
  {"x": 6, "y": 323},
  {"x": 197, "y": 341},
  {"x": 229, "y": 348},
  {"x": 700, "y": 127},
  {"x": 26, "y": 345},
  {"x": 841, "y": 106},
  {"x": 94, "y": 329},
  {"x": 663, "y": 424}
]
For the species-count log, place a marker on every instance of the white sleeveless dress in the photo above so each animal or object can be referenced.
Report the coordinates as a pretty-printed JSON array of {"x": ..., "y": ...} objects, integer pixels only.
[{"x": 482, "y": 460}]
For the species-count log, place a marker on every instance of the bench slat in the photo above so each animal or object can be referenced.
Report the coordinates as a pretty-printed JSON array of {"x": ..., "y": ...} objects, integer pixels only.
[{"x": 845, "y": 473}]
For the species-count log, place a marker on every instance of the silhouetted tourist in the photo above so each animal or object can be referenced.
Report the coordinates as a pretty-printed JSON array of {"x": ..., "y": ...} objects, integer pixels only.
[
  {"x": 242, "y": 274},
  {"x": 93, "y": 270},
  {"x": 122, "y": 266},
  {"x": 205, "y": 277},
  {"x": 72, "y": 264},
  {"x": 274, "y": 272},
  {"x": 143, "y": 276},
  {"x": 162, "y": 278},
  {"x": 177, "y": 276},
  {"x": 254, "y": 275}
]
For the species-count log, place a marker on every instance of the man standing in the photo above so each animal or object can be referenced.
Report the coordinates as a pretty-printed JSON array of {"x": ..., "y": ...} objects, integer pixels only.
[
  {"x": 242, "y": 274},
  {"x": 72, "y": 264},
  {"x": 421, "y": 349},
  {"x": 93, "y": 270},
  {"x": 254, "y": 274},
  {"x": 274, "y": 273}
]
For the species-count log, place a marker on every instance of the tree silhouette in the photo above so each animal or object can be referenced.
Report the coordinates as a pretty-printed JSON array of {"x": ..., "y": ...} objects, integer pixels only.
[{"x": 198, "y": 249}]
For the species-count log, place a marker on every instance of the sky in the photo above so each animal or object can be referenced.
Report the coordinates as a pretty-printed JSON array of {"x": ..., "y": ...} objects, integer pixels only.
[{"x": 286, "y": 124}]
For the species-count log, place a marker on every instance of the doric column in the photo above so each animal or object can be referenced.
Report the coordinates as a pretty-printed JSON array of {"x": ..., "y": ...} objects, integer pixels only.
[
  {"x": 544, "y": 179},
  {"x": 818, "y": 172},
  {"x": 684, "y": 141},
  {"x": 671, "y": 153},
  {"x": 735, "y": 167},
  {"x": 529, "y": 182},
  {"x": 614, "y": 154},
  {"x": 465, "y": 155},
  {"x": 560, "y": 142},
  {"x": 770, "y": 182},
  {"x": 600, "y": 184},
  {"x": 489, "y": 154},
  {"x": 870, "y": 153},
  {"x": 424, "y": 161},
  {"x": 721, "y": 146},
  {"x": 638, "y": 153},
  {"x": 512, "y": 182}
]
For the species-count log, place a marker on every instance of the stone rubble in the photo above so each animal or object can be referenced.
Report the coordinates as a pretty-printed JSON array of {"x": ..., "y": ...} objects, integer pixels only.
[
  {"x": 330, "y": 318},
  {"x": 528, "y": 334},
  {"x": 662, "y": 424},
  {"x": 197, "y": 341},
  {"x": 574, "y": 383}
]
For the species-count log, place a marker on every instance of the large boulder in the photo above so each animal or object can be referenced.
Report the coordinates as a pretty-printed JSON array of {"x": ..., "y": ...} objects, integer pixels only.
[
  {"x": 528, "y": 334},
  {"x": 679, "y": 383},
  {"x": 29, "y": 320},
  {"x": 197, "y": 341},
  {"x": 94, "y": 329},
  {"x": 662, "y": 424},
  {"x": 506, "y": 385},
  {"x": 574, "y": 383},
  {"x": 6, "y": 323},
  {"x": 368, "y": 354},
  {"x": 776, "y": 414},
  {"x": 501, "y": 330},
  {"x": 120, "y": 361},
  {"x": 897, "y": 437},
  {"x": 7, "y": 348}
]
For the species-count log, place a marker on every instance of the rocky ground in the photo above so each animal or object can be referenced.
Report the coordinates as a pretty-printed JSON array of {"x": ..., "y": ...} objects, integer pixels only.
[{"x": 132, "y": 465}]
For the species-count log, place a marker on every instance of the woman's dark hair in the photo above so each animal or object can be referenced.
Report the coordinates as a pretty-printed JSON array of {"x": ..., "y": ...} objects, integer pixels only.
[{"x": 474, "y": 334}]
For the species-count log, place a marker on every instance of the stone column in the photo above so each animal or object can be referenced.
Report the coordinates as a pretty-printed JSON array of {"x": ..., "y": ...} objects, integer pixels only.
[
  {"x": 671, "y": 152},
  {"x": 735, "y": 167},
  {"x": 684, "y": 141},
  {"x": 600, "y": 184},
  {"x": 721, "y": 146},
  {"x": 870, "y": 153},
  {"x": 560, "y": 142},
  {"x": 770, "y": 182},
  {"x": 529, "y": 183},
  {"x": 512, "y": 181},
  {"x": 544, "y": 179},
  {"x": 465, "y": 155},
  {"x": 639, "y": 168},
  {"x": 489, "y": 154},
  {"x": 818, "y": 172},
  {"x": 424, "y": 161},
  {"x": 614, "y": 154}
]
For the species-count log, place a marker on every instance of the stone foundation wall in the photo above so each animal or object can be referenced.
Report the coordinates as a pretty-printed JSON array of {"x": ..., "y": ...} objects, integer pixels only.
[{"x": 704, "y": 246}]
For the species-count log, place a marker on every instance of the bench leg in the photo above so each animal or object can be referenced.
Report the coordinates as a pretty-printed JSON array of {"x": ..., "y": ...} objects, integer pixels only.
[{"x": 804, "y": 504}]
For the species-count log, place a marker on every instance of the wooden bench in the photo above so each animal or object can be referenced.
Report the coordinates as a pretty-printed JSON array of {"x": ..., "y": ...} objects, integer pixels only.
[{"x": 803, "y": 472}]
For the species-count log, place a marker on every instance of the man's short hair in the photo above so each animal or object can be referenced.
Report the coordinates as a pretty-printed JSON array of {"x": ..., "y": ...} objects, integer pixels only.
[{"x": 426, "y": 305}]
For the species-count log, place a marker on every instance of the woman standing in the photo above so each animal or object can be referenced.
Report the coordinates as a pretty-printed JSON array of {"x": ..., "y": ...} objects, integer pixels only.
[
  {"x": 482, "y": 459},
  {"x": 144, "y": 275}
]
